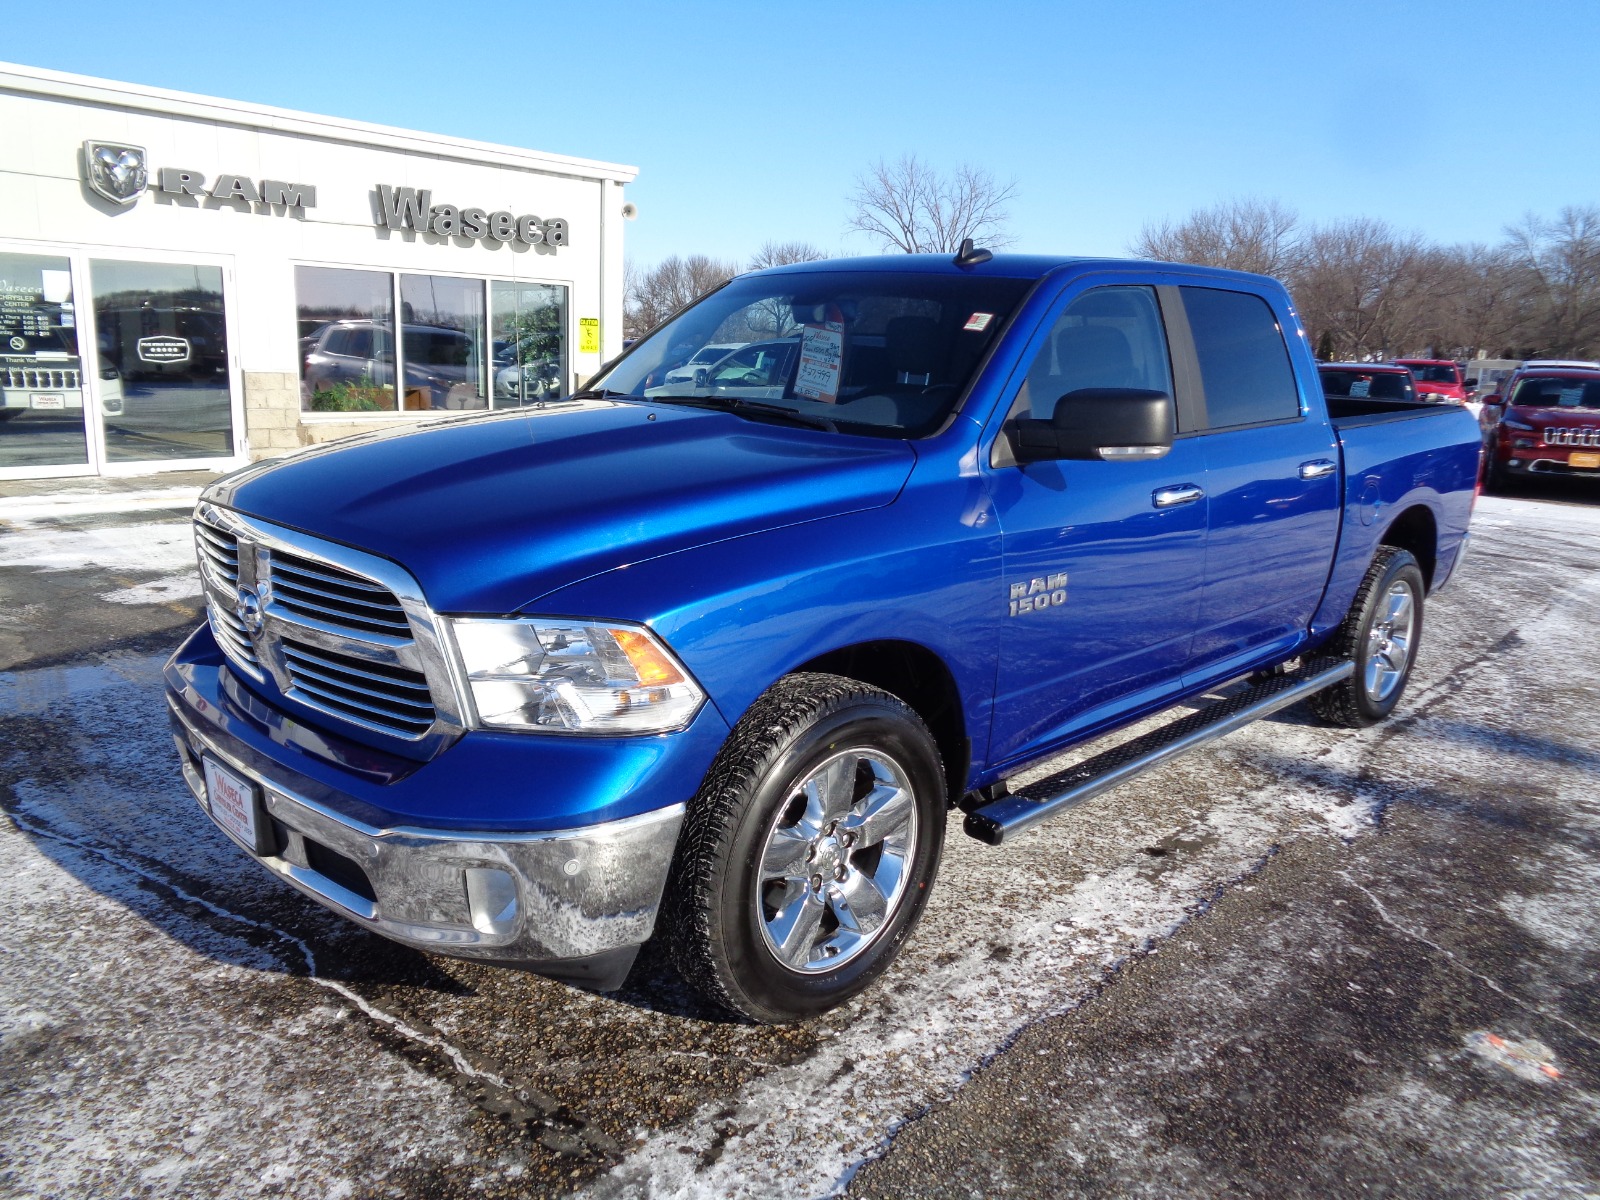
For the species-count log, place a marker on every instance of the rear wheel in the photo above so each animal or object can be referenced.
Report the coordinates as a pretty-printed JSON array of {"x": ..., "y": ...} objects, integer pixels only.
[
  {"x": 807, "y": 857},
  {"x": 1380, "y": 635},
  {"x": 1496, "y": 478}
]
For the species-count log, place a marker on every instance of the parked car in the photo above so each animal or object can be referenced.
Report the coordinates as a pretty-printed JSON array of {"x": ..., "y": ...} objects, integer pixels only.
[
  {"x": 1367, "y": 381},
  {"x": 1438, "y": 379},
  {"x": 441, "y": 365},
  {"x": 1547, "y": 422},
  {"x": 703, "y": 357},
  {"x": 692, "y": 664},
  {"x": 755, "y": 371}
]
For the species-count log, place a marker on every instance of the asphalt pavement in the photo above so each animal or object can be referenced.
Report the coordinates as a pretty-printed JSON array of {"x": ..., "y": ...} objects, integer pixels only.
[{"x": 1301, "y": 962}]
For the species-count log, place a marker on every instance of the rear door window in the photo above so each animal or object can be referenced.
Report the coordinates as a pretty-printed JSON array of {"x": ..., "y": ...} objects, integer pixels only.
[{"x": 1244, "y": 363}]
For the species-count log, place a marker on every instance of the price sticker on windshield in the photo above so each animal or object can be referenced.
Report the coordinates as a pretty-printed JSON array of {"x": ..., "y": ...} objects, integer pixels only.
[{"x": 821, "y": 361}]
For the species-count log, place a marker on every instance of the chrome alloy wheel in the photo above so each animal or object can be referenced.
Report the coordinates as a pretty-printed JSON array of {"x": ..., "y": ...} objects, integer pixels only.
[
  {"x": 834, "y": 866},
  {"x": 1388, "y": 649}
]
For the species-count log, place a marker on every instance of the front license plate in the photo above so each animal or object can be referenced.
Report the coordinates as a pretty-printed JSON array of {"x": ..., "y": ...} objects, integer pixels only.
[
  {"x": 42, "y": 401},
  {"x": 1584, "y": 460},
  {"x": 233, "y": 804}
]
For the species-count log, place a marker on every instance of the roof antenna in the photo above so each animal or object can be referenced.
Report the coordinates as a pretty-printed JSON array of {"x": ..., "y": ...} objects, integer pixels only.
[{"x": 970, "y": 256}]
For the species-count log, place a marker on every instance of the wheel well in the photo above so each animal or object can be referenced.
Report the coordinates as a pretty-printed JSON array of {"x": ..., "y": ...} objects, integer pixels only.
[
  {"x": 1415, "y": 530},
  {"x": 919, "y": 677}
]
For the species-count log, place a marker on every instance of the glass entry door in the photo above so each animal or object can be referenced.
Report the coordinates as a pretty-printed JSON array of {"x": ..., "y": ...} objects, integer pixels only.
[
  {"x": 162, "y": 359},
  {"x": 41, "y": 374}
]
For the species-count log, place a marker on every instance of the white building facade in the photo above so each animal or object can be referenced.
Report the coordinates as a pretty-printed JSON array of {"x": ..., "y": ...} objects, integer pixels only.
[{"x": 193, "y": 283}]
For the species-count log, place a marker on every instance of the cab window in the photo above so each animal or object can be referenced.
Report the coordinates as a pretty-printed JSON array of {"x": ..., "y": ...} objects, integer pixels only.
[
  {"x": 1109, "y": 337},
  {"x": 1244, "y": 364}
]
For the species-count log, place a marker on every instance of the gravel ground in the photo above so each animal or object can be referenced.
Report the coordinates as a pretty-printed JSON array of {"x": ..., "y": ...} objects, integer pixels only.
[{"x": 1303, "y": 961}]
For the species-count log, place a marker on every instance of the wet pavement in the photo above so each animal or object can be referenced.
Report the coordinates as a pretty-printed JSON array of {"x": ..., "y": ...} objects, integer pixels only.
[{"x": 1303, "y": 961}]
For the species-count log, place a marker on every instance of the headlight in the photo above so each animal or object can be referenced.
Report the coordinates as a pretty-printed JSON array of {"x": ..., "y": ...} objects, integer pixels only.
[{"x": 578, "y": 676}]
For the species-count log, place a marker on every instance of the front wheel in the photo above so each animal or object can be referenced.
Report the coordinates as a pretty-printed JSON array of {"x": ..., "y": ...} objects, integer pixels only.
[
  {"x": 1380, "y": 635},
  {"x": 806, "y": 859}
]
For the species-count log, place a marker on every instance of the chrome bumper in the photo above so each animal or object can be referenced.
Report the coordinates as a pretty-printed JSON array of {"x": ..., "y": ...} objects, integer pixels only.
[{"x": 574, "y": 904}]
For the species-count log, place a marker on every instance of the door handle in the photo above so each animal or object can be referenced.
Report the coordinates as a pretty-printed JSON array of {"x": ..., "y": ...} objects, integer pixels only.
[
  {"x": 1171, "y": 497},
  {"x": 1317, "y": 468}
]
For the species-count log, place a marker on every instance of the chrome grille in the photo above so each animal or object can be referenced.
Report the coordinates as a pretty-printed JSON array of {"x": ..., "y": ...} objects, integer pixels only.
[
  {"x": 335, "y": 629},
  {"x": 390, "y": 699},
  {"x": 232, "y": 636},
  {"x": 1588, "y": 436},
  {"x": 219, "y": 550},
  {"x": 324, "y": 593}
]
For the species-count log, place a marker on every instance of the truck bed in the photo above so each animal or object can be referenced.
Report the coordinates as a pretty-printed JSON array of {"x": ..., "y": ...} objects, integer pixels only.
[{"x": 1348, "y": 412}]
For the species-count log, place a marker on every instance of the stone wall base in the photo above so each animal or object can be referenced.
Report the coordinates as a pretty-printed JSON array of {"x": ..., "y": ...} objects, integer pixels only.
[{"x": 272, "y": 417}]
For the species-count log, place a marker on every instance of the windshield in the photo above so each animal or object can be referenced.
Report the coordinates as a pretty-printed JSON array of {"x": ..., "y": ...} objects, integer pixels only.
[
  {"x": 883, "y": 353},
  {"x": 1431, "y": 373},
  {"x": 1558, "y": 392},
  {"x": 1367, "y": 385}
]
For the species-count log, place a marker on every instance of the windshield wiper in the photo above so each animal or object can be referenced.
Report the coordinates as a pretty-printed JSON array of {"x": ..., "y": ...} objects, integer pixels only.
[
  {"x": 752, "y": 409},
  {"x": 600, "y": 394}
]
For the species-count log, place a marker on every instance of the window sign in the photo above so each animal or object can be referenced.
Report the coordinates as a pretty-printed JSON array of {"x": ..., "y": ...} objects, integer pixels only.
[{"x": 821, "y": 359}]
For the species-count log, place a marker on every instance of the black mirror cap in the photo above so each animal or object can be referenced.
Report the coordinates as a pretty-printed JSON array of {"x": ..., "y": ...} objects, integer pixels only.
[{"x": 1099, "y": 425}]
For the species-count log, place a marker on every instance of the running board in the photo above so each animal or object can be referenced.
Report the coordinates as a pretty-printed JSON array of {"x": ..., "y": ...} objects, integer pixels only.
[{"x": 1011, "y": 814}]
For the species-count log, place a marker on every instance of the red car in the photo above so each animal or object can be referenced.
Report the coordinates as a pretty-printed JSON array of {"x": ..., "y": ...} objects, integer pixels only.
[
  {"x": 1437, "y": 378},
  {"x": 1366, "y": 381},
  {"x": 1545, "y": 423}
]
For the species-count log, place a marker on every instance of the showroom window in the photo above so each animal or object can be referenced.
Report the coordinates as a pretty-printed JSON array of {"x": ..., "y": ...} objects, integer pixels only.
[{"x": 460, "y": 343}]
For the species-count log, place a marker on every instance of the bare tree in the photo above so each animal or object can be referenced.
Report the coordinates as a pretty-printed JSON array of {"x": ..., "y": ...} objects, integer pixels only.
[
  {"x": 1366, "y": 286},
  {"x": 910, "y": 206},
  {"x": 1241, "y": 234},
  {"x": 781, "y": 254},
  {"x": 651, "y": 296},
  {"x": 1562, "y": 259}
]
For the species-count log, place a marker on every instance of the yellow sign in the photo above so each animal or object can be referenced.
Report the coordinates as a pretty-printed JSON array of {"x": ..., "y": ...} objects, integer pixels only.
[{"x": 588, "y": 335}]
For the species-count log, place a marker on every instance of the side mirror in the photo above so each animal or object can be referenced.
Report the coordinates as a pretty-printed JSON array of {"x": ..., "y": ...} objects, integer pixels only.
[
  {"x": 1098, "y": 424},
  {"x": 700, "y": 374}
]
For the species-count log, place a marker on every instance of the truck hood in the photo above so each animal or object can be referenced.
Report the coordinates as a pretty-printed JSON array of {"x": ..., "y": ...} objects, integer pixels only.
[{"x": 491, "y": 512}]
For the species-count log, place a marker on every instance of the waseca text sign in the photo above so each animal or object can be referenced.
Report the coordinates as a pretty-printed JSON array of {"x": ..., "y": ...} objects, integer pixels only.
[{"x": 408, "y": 208}]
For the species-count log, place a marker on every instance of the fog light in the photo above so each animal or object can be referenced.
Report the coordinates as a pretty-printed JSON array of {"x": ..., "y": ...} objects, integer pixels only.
[{"x": 492, "y": 900}]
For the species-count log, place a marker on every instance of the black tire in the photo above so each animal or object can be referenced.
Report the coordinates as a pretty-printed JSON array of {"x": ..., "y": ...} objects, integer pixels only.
[
  {"x": 1355, "y": 702},
  {"x": 1496, "y": 479},
  {"x": 722, "y": 908}
]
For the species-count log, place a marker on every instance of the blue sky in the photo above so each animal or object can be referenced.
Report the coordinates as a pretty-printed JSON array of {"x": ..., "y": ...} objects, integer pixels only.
[{"x": 748, "y": 122}]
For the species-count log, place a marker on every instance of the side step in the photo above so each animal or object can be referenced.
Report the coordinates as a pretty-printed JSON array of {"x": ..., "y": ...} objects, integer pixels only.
[{"x": 1010, "y": 815}]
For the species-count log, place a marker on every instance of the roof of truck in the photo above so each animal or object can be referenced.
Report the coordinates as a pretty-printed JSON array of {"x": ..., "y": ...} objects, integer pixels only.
[{"x": 1009, "y": 266}]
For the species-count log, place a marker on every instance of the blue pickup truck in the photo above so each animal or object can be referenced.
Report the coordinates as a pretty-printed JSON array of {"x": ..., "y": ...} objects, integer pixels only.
[{"x": 709, "y": 654}]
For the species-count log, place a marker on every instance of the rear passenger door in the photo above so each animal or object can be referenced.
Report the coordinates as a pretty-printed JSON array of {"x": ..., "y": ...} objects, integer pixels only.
[{"x": 1272, "y": 482}]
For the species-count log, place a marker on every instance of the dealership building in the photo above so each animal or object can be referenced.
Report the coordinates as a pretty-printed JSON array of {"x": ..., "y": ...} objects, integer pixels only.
[{"x": 194, "y": 283}]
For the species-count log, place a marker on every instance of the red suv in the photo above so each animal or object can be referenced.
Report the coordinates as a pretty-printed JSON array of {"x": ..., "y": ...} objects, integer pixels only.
[
  {"x": 1437, "y": 378},
  {"x": 1547, "y": 422}
]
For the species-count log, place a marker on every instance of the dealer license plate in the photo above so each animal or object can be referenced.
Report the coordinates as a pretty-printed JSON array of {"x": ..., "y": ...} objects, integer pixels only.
[
  {"x": 1583, "y": 460},
  {"x": 233, "y": 803},
  {"x": 43, "y": 401}
]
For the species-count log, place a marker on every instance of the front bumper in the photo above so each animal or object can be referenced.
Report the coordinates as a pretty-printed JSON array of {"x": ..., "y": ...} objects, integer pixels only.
[{"x": 575, "y": 903}]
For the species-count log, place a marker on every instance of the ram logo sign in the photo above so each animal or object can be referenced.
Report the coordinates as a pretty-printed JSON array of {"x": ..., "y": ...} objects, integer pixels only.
[{"x": 117, "y": 172}]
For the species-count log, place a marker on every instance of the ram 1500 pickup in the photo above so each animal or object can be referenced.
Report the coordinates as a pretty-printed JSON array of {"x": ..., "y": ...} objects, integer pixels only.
[{"x": 709, "y": 656}]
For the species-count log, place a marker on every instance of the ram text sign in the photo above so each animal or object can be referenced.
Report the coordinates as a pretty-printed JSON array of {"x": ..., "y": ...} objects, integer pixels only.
[
  {"x": 121, "y": 173},
  {"x": 408, "y": 208}
]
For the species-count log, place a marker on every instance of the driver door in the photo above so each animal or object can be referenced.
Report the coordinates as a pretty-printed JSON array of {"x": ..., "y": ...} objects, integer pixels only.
[{"x": 1103, "y": 560}]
